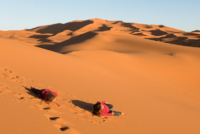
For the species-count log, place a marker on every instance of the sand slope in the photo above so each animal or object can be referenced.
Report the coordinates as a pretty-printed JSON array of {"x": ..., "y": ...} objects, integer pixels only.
[{"x": 155, "y": 83}]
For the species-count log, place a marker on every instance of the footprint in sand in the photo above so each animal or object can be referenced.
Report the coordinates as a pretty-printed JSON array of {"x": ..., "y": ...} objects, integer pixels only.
[
  {"x": 46, "y": 108},
  {"x": 19, "y": 96},
  {"x": 10, "y": 75},
  {"x": 61, "y": 124},
  {"x": 24, "y": 97},
  {"x": 4, "y": 89},
  {"x": 50, "y": 109}
]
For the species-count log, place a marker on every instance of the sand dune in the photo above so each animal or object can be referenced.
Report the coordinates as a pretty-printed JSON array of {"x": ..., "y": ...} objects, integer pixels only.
[
  {"x": 150, "y": 72},
  {"x": 57, "y": 34}
]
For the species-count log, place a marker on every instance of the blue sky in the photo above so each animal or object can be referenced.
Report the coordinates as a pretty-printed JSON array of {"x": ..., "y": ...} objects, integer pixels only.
[{"x": 21, "y": 14}]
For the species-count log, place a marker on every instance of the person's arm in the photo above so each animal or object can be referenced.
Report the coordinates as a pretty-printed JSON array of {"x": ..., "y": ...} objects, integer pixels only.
[{"x": 56, "y": 103}]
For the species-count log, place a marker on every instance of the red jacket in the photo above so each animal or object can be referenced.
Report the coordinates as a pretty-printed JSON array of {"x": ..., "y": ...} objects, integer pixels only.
[
  {"x": 105, "y": 110},
  {"x": 44, "y": 93}
]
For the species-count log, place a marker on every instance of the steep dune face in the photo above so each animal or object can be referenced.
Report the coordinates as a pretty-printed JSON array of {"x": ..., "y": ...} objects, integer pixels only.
[{"x": 126, "y": 64}]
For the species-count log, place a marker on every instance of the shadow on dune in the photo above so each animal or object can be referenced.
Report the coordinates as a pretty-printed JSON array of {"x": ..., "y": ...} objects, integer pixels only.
[
  {"x": 46, "y": 46},
  {"x": 83, "y": 105},
  {"x": 194, "y": 34},
  {"x": 194, "y": 43},
  {"x": 197, "y": 43},
  {"x": 170, "y": 36},
  {"x": 31, "y": 93},
  {"x": 196, "y": 31},
  {"x": 138, "y": 34},
  {"x": 104, "y": 28},
  {"x": 57, "y": 28},
  {"x": 42, "y": 38},
  {"x": 158, "y": 32},
  {"x": 74, "y": 40},
  {"x": 183, "y": 41},
  {"x": 133, "y": 28}
]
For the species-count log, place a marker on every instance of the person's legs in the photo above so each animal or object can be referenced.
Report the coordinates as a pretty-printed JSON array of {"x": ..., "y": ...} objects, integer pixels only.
[
  {"x": 40, "y": 92},
  {"x": 110, "y": 111},
  {"x": 37, "y": 91},
  {"x": 109, "y": 106},
  {"x": 116, "y": 113}
]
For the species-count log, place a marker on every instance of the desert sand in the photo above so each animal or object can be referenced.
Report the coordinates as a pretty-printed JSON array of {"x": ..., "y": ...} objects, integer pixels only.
[{"x": 150, "y": 72}]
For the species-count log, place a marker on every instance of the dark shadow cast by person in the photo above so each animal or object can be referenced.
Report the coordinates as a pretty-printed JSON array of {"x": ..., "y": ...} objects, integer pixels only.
[
  {"x": 83, "y": 105},
  {"x": 31, "y": 93}
]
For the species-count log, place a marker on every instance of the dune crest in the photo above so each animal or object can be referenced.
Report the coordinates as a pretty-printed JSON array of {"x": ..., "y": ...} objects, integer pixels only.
[{"x": 54, "y": 36}]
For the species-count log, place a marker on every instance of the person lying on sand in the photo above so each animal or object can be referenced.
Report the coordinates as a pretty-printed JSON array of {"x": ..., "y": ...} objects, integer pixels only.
[
  {"x": 101, "y": 108},
  {"x": 45, "y": 94}
]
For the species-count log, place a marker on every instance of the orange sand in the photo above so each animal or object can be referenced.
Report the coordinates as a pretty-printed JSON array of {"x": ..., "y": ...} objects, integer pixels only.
[{"x": 150, "y": 72}]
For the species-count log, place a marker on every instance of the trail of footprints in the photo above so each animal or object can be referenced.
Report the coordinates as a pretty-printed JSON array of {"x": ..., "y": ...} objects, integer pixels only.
[
  {"x": 68, "y": 108},
  {"x": 4, "y": 89},
  {"x": 61, "y": 124},
  {"x": 10, "y": 75}
]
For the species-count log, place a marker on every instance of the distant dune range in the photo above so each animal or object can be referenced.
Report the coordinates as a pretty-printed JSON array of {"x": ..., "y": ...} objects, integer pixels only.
[
  {"x": 73, "y": 36},
  {"x": 150, "y": 72}
]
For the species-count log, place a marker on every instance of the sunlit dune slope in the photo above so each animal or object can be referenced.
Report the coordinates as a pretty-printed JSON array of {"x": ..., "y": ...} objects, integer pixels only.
[
  {"x": 150, "y": 72},
  {"x": 155, "y": 83}
]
